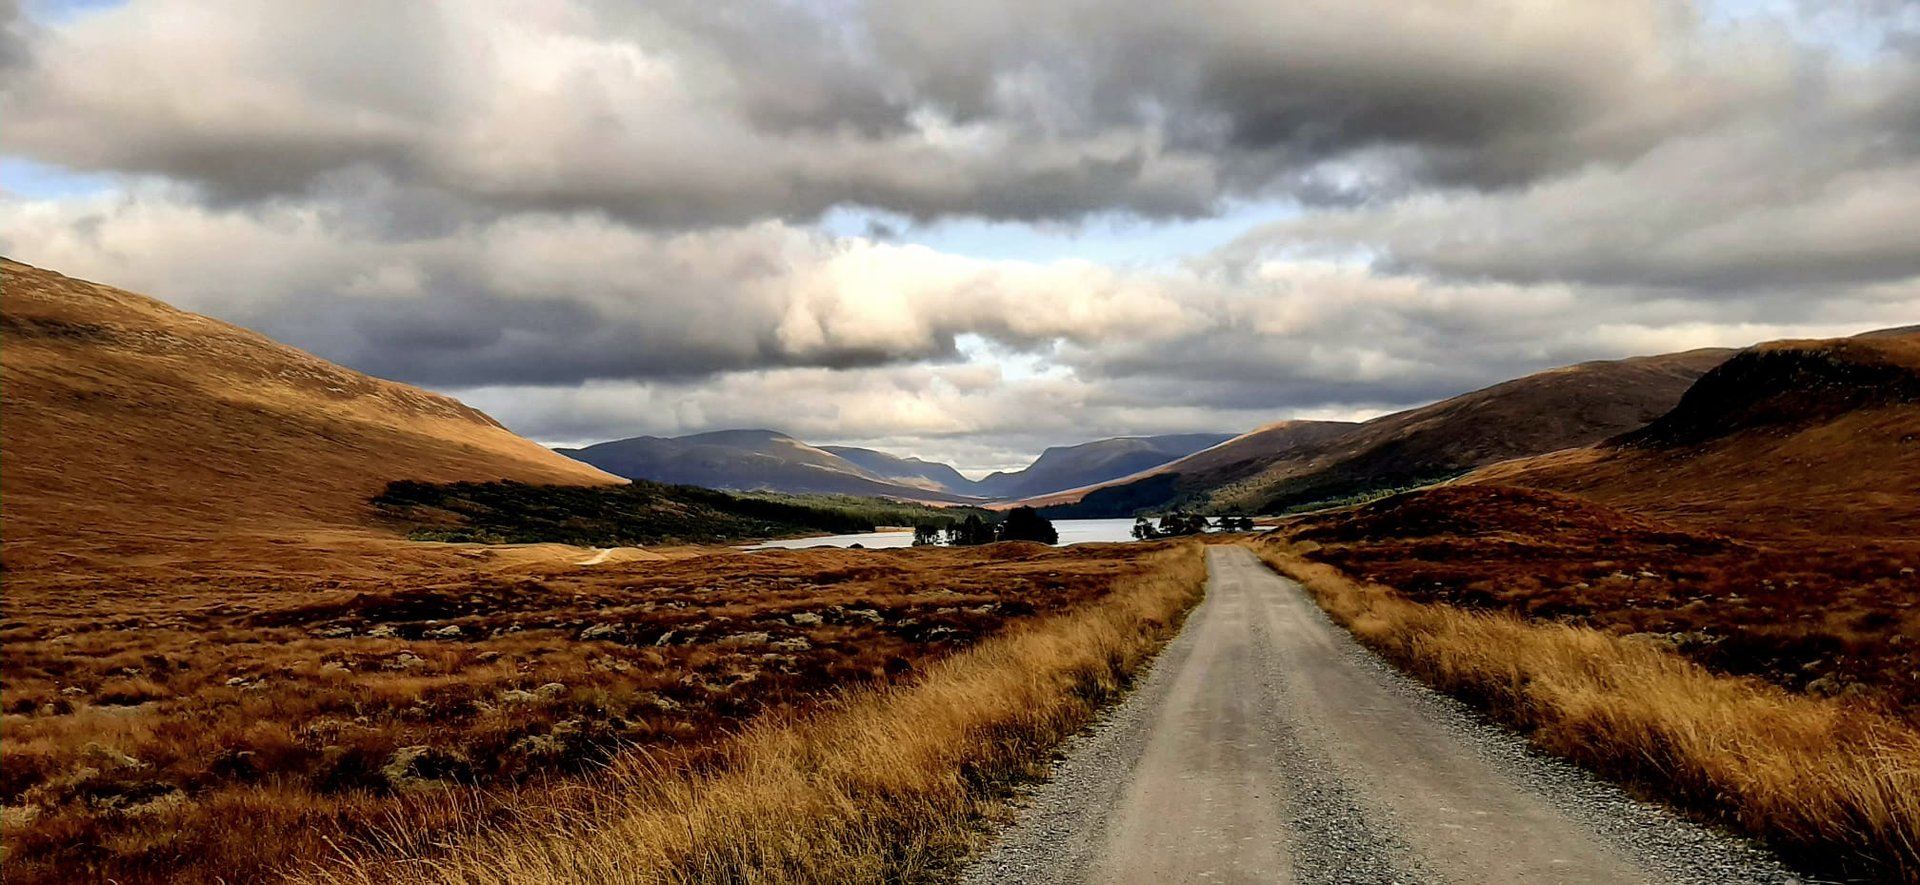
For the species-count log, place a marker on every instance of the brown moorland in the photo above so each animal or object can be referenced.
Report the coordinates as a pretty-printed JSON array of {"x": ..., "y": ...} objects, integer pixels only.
[
  {"x": 203, "y": 730},
  {"x": 1721, "y": 607},
  {"x": 221, "y": 663}
]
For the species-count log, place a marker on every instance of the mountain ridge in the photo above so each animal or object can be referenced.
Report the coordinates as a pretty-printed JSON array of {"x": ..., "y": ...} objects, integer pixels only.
[
  {"x": 1554, "y": 409},
  {"x": 769, "y": 460}
]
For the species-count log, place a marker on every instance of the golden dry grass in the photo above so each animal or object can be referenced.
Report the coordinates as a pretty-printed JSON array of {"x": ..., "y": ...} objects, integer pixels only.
[
  {"x": 886, "y": 784},
  {"x": 1832, "y": 785},
  {"x": 203, "y": 722}
]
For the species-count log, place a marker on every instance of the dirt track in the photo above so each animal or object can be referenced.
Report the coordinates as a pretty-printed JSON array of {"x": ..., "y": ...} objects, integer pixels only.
[{"x": 1267, "y": 747}]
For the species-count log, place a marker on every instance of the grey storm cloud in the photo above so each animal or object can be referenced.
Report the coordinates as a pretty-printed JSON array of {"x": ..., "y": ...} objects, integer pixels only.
[
  {"x": 597, "y": 219},
  {"x": 688, "y": 113}
]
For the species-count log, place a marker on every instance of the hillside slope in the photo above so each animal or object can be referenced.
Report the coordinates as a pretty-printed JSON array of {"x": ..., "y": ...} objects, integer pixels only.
[
  {"x": 127, "y": 417},
  {"x": 747, "y": 460},
  {"x": 1069, "y": 467},
  {"x": 1302, "y": 463},
  {"x": 915, "y": 472},
  {"x": 1785, "y": 438}
]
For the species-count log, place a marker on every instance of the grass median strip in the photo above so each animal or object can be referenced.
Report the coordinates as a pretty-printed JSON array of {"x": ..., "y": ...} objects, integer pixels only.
[{"x": 1833, "y": 786}]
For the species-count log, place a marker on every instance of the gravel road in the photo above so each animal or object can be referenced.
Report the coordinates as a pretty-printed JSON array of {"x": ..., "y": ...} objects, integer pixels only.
[{"x": 1266, "y": 746}]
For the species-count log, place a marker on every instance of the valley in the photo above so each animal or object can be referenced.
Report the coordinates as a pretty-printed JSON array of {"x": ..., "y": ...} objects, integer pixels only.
[{"x": 267, "y": 618}]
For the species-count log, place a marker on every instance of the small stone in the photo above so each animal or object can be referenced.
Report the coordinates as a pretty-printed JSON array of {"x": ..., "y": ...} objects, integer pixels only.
[
  {"x": 539, "y": 746},
  {"x": 450, "y": 631},
  {"x": 156, "y": 804},
  {"x": 600, "y": 631},
  {"x": 551, "y": 691},
  {"x": 806, "y": 619},
  {"x": 102, "y": 756},
  {"x": 518, "y": 696},
  {"x": 236, "y": 681},
  {"x": 407, "y": 660},
  {"x": 74, "y": 691},
  {"x": 384, "y": 631},
  {"x": 340, "y": 632},
  {"x": 793, "y": 643},
  {"x": 742, "y": 640}
]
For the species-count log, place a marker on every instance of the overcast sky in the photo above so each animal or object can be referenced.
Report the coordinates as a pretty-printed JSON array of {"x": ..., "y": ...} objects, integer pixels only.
[{"x": 967, "y": 229}]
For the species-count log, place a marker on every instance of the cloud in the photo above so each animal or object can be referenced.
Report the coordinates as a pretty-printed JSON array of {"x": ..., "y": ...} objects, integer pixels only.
[
  {"x": 685, "y": 114},
  {"x": 547, "y": 299},
  {"x": 1820, "y": 198},
  {"x": 599, "y": 219}
]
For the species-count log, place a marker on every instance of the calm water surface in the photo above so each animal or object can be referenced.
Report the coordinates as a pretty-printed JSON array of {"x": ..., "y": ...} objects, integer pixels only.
[{"x": 1072, "y": 531}]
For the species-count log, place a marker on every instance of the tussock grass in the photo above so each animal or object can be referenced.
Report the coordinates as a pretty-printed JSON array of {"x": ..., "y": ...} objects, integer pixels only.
[
  {"x": 1833, "y": 786},
  {"x": 883, "y": 784},
  {"x": 215, "y": 730}
]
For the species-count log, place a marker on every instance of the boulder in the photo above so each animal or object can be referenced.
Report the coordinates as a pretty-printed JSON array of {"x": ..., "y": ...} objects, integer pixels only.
[{"x": 421, "y": 767}]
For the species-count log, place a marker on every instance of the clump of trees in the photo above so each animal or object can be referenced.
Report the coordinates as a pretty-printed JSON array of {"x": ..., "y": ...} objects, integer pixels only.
[
  {"x": 1020, "y": 524},
  {"x": 1181, "y": 523},
  {"x": 1171, "y": 524}
]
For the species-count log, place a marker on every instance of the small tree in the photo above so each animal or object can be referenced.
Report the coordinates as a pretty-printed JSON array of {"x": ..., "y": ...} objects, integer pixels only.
[
  {"x": 926, "y": 534},
  {"x": 1026, "y": 524},
  {"x": 1179, "y": 523},
  {"x": 1143, "y": 530},
  {"x": 971, "y": 532}
]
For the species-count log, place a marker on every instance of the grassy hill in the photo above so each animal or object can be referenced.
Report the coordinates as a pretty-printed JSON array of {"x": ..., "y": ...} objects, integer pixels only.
[
  {"x": 1790, "y": 438},
  {"x": 1300, "y": 464},
  {"x": 127, "y": 417}
]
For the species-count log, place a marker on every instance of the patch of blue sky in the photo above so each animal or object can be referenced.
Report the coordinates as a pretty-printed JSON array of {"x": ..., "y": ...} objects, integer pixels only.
[
  {"x": 1114, "y": 239},
  {"x": 1854, "y": 31},
  {"x": 1015, "y": 365},
  {"x": 33, "y": 180},
  {"x": 54, "y": 12}
]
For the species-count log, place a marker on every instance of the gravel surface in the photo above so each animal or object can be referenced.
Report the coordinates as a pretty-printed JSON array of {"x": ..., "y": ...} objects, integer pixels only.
[{"x": 1265, "y": 745}]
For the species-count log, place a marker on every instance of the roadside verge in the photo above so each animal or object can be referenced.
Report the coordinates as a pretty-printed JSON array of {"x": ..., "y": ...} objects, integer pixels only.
[{"x": 1832, "y": 787}]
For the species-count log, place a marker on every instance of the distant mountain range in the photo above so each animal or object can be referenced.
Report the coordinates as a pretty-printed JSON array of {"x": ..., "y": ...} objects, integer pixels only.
[{"x": 766, "y": 460}]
